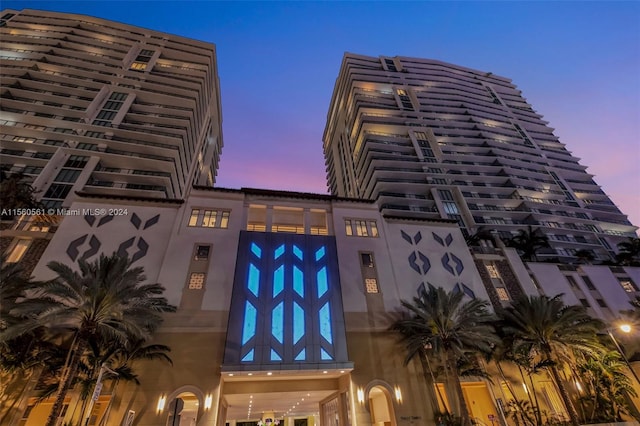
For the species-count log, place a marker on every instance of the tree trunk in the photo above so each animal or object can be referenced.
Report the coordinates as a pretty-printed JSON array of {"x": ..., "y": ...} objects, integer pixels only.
[
  {"x": 464, "y": 410},
  {"x": 573, "y": 414},
  {"x": 426, "y": 369},
  {"x": 66, "y": 381}
]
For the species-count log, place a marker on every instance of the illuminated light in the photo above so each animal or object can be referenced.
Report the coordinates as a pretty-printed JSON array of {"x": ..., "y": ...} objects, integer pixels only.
[
  {"x": 208, "y": 400},
  {"x": 325, "y": 372},
  {"x": 625, "y": 328},
  {"x": 360, "y": 395},
  {"x": 250, "y": 374},
  {"x": 398, "y": 393},
  {"x": 269, "y": 373},
  {"x": 161, "y": 402},
  {"x": 578, "y": 386},
  {"x": 341, "y": 371},
  {"x": 525, "y": 388},
  {"x": 230, "y": 374}
]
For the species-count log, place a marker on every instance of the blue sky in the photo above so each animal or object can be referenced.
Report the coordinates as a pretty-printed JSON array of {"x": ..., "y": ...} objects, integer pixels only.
[{"x": 578, "y": 64}]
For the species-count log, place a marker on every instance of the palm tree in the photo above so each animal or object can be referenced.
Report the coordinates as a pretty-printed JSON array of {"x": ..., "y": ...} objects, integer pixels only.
[
  {"x": 452, "y": 328},
  {"x": 16, "y": 193},
  {"x": 528, "y": 242},
  {"x": 106, "y": 300},
  {"x": 606, "y": 386},
  {"x": 629, "y": 252},
  {"x": 552, "y": 330}
]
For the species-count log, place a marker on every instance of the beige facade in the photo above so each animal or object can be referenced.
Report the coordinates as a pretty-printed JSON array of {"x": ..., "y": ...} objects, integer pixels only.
[
  {"x": 372, "y": 386},
  {"x": 101, "y": 107},
  {"x": 429, "y": 139}
]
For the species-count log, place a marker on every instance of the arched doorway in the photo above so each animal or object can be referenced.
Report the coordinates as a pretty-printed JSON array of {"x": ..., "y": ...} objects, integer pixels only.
[
  {"x": 183, "y": 410},
  {"x": 381, "y": 407}
]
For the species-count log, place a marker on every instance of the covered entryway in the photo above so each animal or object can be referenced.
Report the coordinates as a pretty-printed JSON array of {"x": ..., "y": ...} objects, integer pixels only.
[{"x": 381, "y": 407}]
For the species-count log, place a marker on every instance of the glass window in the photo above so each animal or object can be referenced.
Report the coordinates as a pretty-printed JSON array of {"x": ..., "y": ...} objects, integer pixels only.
[
  {"x": 19, "y": 249},
  {"x": 361, "y": 228},
  {"x": 628, "y": 285},
  {"x": 209, "y": 219},
  {"x": 367, "y": 260},
  {"x": 202, "y": 252},
  {"x": 224, "y": 221},
  {"x": 502, "y": 293},
  {"x": 371, "y": 285},
  {"x": 193, "y": 220},
  {"x": 196, "y": 281},
  {"x": 374, "y": 228},
  {"x": 588, "y": 282},
  {"x": 347, "y": 227},
  {"x": 493, "y": 271}
]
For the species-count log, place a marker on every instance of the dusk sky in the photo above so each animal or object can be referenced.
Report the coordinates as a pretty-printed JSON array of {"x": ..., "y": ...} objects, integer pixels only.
[{"x": 577, "y": 63}]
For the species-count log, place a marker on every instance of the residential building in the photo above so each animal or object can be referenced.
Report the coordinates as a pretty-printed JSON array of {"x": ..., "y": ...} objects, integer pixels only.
[
  {"x": 95, "y": 106},
  {"x": 431, "y": 139}
]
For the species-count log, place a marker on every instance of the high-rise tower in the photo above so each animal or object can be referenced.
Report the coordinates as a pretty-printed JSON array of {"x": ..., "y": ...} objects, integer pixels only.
[
  {"x": 102, "y": 107},
  {"x": 430, "y": 139}
]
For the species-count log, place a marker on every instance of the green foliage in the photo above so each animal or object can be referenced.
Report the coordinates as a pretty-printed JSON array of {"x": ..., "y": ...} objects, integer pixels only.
[
  {"x": 629, "y": 252},
  {"x": 105, "y": 309},
  {"x": 528, "y": 243},
  {"x": 16, "y": 193},
  {"x": 605, "y": 387}
]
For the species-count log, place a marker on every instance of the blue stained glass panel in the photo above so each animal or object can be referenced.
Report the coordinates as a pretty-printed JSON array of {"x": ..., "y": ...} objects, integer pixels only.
[
  {"x": 325, "y": 322},
  {"x": 249, "y": 326},
  {"x": 254, "y": 279},
  {"x": 298, "y": 281},
  {"x": 324, "y": 355},
  {"x": 277, "y": 322},
  {"x": 320, "y": 253},
  {"x": 248, "y": 357},
  {"x": 298, "y": 323},
  {"x": 279, "y": 251},
  {"x": 275, "y": 356},
  {"x": 297, "y": 252},
  {"x": 256, "y": 250},
  {"x": 278, "y": 280},
  {"x": 323, "y": 285},
  {"x": 302, "y": 355}
]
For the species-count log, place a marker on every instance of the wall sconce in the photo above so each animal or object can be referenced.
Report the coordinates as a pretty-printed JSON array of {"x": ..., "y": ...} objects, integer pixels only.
[
  {"x": 398, "y": 394},
  {"x": 360, "y": 396},
  {"x": 161, "y": 401},
  {"x": 207, "y": 402}
]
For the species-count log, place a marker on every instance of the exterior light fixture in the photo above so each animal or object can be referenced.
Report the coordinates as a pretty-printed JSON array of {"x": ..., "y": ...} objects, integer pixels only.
[
  {"x": 625, "y": 328},
  {"x": 208, "y": 400},
  {"x": 161, "y": 402},
  {"x": 398, "y": 393},
  {"x": 360, "y": 395}
]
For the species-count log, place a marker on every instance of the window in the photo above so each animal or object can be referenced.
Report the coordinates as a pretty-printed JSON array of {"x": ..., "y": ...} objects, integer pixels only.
[
  {"x": 76, "y": 161},
  {"x": 502, "y": 294},
  {"x": 601, "y": 303},
  {"x": 361, "y": 228},
  {"x": 348, "y": 229},
  {"x": 67, "y": 175},
  {"x": 588, "y": 282},
  {"x": 196, "y": 281},
  {"x": 58, "y": 191},
  {"x": 627, "y": 284},
  {"x": 209, "y": 218},
  {"x": 374, "y": 228},
  {"x": 193, "y": 220},
  {"x": 572, "y": 281},
  {"x": 19, "y": 249},
  {"x": 371, "y": 285},
  {"x": 202, "y": 252},
  {"x": 585, "y": 303},
  {"x": 493, "y": 271},
  {"x": 367, "y": 260}
]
